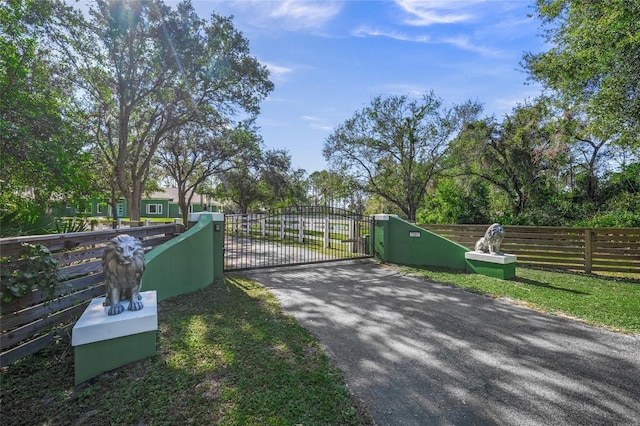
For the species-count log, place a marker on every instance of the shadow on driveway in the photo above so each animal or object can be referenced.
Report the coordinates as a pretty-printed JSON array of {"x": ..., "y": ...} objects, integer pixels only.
[{"x": 421, "y": 353}]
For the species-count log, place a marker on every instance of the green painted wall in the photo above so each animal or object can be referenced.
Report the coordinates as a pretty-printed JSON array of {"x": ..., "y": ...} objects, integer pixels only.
[
  {"x": 495, "y": 270},
  {"x": 188, "y": 262},
  {"x": 401, "y": 242},
  {"x": 174, "y": 210},
  {"x": 96, "y": 358},
  {"x": 162, "y": 211}
]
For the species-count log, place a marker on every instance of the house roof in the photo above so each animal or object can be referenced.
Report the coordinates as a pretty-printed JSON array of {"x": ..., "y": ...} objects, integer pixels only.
[{"x": 171, "y": 194}]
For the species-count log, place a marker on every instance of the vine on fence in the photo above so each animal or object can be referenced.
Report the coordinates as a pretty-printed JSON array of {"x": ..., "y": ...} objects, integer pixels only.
[{"x": 35, "y": 269}]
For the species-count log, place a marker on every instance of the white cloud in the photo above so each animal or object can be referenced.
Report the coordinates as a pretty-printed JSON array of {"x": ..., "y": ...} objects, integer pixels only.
[
  {"x": 297, "y": 14},
  {"x": 464, "y": 42},
  {"x": 429, "y": 12},
  {"x": 278, "y": 72},
  {"x": 401, "y": 89},
  {"x": 395, "y": 35},
  {"x": 274, "y": 15},
  {"x": 317, "y": 123}
]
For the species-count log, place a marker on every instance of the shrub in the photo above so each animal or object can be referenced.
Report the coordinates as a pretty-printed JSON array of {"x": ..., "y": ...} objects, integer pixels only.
[{"x": 35, "y": 269}]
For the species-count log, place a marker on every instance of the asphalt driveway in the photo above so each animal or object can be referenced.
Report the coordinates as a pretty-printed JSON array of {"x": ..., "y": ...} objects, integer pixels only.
[{"x": 421, "y": 353}]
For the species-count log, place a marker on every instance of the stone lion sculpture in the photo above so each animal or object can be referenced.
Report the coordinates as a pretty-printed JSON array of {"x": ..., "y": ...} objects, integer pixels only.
[
  {"x": 492, "y": 240},
  {"x": 123, "y": 265}
]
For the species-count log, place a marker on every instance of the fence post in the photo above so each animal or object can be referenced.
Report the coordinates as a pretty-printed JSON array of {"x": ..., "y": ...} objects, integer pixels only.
[
  {"x": 282, "y": 227},
  {"x": 263, "y": 225},
  {"x": 588, "y": 249}
]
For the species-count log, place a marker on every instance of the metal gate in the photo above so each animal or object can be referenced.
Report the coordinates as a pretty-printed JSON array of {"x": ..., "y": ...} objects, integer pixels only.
[{"x": 295, "y": 235}]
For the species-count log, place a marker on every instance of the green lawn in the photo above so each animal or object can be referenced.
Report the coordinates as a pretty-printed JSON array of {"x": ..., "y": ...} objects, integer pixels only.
[
  {"x": 610, "y": 302},
  {"x": 227, "y": 355}
]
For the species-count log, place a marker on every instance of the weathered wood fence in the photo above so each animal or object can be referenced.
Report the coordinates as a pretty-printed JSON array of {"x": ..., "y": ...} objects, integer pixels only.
[
  {"x": 584, "y": 249},
  {"x": 30, "y": 323}
]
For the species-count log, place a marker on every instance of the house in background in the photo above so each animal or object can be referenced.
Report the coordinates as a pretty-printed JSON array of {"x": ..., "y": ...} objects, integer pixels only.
[{"x": 162, "y": 204}]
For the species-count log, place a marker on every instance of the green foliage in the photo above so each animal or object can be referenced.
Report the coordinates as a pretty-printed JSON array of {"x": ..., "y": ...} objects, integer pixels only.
[
  {"x": 453, "y": 202},
  {"x": 259, "y": 179},
  {"x": 394, "y": 147},
  {"x": 70, "y": 224},
  {"x": 22, "y": 216},
  {"x": 191, "y": 155},
  {"x": 40, "y": 139},
  {"x": 613, "y": 219},
  {"x": 592, "y": 62},
  {"x": 34, "y": 270},
  {"x": 149, "y": 70},
  {"x": 518, "y": 157}
]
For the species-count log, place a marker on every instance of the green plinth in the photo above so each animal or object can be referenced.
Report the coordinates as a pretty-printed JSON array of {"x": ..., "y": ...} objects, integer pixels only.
[
  {"x": 496, "y": 266},
  {"x": 96, "y": 358},
  {"x": 105, "y": 342}
]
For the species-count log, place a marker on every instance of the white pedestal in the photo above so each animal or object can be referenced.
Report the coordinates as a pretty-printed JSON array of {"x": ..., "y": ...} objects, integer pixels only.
[
  {"x": 502, "y": 259},
  {"x": 95, "y": 325}
]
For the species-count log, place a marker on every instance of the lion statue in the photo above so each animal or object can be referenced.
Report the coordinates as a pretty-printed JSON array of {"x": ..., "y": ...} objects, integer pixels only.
[
  {"x": 492, "y": 240},
  {"x": 123, "y": 265}
]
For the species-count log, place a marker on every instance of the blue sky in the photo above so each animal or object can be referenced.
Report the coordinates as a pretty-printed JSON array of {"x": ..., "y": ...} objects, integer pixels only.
[{"x": 329, "y": 59}]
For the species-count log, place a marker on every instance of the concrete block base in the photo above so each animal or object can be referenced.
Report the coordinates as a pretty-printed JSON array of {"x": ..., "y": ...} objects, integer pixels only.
[
  {"x": 93, "y": 359},
  {"x": 103, "y": 343},
  {"x": 492, "y": 265}
]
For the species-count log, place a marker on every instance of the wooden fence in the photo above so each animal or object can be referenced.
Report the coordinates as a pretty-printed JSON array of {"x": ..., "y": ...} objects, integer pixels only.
[
  {"x": 31, "y": 323},
  {"x": 583, "y": 249}
]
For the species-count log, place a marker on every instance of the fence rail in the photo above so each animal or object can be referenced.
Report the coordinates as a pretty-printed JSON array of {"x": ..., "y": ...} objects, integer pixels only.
[
  {"x": 30, "y": 323},
  {"x": 584, "y": 249}
]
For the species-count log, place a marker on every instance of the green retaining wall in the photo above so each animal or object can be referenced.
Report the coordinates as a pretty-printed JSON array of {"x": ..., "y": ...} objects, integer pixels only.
[
  {"x": 401, "y": 242},
  {"x": 398, "y": 241},
  {"x": 188, "y": 262}
]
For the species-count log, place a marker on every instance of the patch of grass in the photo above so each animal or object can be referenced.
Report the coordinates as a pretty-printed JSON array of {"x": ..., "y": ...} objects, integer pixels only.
[
  {"x": 610, "y": 302},
  {"x": 226, "y": 355}
]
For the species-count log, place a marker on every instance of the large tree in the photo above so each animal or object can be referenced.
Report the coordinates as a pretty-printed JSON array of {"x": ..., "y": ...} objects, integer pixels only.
[
  {"x": 148, "y": 70},
  {"x": 592, "y": 63},
  {"x": 192, "y": 154},
  {"x": 393, "y": 148},
  {"x": 259, "y": 178},
  {"x": 519, "y": 157},
  {"x": 240, "y": 184},
  {"x": 41, "y": 144}
]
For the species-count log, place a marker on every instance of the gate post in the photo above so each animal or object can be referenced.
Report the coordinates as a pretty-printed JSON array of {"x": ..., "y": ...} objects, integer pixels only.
[
  {"x": 301, "y": 230},
  {"x": 381, "y": 237},
  {"x": 218, "y": 245},
  {"x": 354, "y": 235},
  {"x": 327, "y": 235},
  {"x": 217, "y": 236}
]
